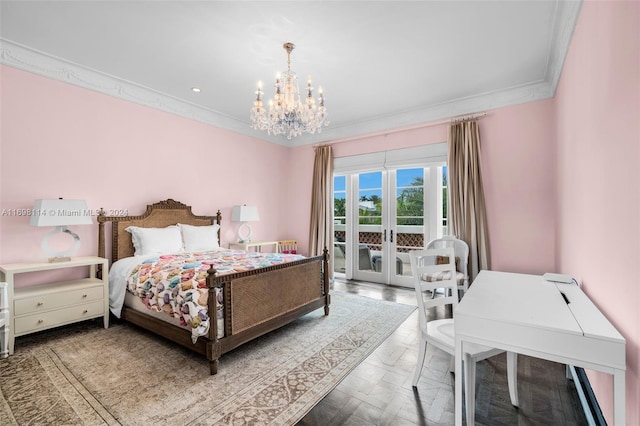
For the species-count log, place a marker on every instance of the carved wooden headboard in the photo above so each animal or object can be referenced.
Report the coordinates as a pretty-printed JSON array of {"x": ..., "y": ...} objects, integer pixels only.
[{"x": 158, "y": 215}]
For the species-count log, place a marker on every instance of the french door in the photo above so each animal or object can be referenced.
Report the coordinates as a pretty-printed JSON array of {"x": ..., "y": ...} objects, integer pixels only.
[{"x": 380, "y": 215}]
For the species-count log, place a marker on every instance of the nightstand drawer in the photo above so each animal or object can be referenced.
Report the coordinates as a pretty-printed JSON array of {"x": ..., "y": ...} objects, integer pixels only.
[
  {"x": 45, "y": 302},
  {"x": 41, "y": 321}
]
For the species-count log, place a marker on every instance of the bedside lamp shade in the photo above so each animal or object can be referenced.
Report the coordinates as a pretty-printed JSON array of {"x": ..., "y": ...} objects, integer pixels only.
[
  {"x": 60, "y": 213},
  {"x": 244, "y": 214}
]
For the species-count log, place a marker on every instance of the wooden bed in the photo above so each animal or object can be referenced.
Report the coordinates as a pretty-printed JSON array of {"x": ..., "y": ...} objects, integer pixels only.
[{"x": 255, "y": 302}]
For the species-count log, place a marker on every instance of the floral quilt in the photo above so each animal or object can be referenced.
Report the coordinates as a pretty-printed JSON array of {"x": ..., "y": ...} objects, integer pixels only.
[{"x": 176, "y": 283}]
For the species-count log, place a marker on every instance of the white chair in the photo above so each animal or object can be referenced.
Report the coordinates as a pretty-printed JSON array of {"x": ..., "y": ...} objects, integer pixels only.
[
  {"x": 4, "y": 321},
  {"x": 441, "y": 333},
  {"x": 461, "y": 250}
]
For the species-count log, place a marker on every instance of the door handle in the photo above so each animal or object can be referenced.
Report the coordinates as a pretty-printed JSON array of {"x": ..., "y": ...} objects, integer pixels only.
[
  {"x": 391, "y": 236},
  {"x": 384, "y": 235}
]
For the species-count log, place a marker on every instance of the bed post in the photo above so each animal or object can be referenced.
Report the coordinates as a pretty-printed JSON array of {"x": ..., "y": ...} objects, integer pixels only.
[
  {"x": 213, "y": 345},
  {"x": 101, "y": 245},
  {"x": 325, "y": 279}
]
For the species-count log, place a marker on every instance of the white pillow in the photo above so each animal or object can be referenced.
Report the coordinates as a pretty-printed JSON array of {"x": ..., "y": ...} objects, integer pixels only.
[
  {"x": 148, "y": 241},
  {"x": 200, "y": 238}
]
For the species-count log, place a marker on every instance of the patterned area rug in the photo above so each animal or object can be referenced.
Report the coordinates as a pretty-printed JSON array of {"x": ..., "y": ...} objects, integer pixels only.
[{"x": 86, "y": 375}]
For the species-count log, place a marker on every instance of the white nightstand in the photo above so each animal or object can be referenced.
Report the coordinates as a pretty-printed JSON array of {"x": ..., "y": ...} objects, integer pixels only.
[
  {"x": 256, "y": 244},
  {"x": 39, "y": 307}
]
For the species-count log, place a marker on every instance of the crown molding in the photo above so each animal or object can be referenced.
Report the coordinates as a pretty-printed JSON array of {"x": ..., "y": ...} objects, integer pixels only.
[
  {"x": 566, "y": 18},
  {"x": 28, "y": 59},
  {"x": 37, "y": 62}
]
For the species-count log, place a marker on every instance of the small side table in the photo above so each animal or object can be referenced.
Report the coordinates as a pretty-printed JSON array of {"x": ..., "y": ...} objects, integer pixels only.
[
  {"x": 257, "y": 245},
  {"x": 40, "y": 307}
]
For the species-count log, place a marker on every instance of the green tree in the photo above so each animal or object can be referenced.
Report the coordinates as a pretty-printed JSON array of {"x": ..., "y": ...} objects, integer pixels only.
[
  {"x": 339, "y": 207},
  {"x": 410, "y": 203}
]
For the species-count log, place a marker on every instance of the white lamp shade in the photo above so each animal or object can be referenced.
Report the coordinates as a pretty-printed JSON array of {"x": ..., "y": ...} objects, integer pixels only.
[
  {"x": 60, "y": 212},
  {"x": 244, "y": 214}
]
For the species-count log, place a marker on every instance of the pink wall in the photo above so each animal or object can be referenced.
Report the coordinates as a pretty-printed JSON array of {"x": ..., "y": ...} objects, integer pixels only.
[
  {"x": 58, "y": 140},
  {"x": 519, "y": 177},
  {"x": 598, "y": 176},
  {"x": 518, "y": 160},
  {"x": 46, "y": 122}
]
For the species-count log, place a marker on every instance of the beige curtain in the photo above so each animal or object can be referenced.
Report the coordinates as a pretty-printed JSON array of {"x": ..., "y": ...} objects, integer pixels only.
[
  {"x": 468, "y": 217},
  {"x": 321, "y": 229}
]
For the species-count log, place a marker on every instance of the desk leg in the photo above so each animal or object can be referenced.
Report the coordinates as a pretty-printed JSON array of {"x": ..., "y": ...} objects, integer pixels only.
[
  {"x": 458, "y": 383},
  {"x": 618, "y": 398},
  {"x": 512, "y": 377},
  {"x": 470, "y": 389}
]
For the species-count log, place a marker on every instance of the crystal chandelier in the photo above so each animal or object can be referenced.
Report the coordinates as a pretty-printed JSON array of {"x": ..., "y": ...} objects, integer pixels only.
[{"x": 287, "y": 114}]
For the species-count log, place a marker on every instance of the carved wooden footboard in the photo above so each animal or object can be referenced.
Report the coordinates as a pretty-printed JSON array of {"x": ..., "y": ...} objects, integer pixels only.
[
  {"x": 257, "y": 302},
  {"x": 254, "y": 302}
]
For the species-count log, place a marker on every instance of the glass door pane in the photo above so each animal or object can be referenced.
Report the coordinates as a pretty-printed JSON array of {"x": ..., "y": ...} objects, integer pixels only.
[
  {"x": 409, "y": 229},
  {"x": 339, "y": 224},
  {"x": 370, "y": 208}
]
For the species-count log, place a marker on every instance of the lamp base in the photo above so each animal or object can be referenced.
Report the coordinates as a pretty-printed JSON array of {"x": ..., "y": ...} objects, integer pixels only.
[
  {"x": 244, "y": 233},
  {"x": 59, "y": 259},
  {"x": 63, "y": 256}
]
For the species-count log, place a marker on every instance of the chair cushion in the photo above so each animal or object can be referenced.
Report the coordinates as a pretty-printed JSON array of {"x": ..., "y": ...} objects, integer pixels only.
[
  {"x": 441, "y": 276},
  {"x": 443, "y": 260}
]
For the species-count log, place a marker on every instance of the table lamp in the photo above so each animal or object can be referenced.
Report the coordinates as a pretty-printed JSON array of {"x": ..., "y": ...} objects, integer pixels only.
[
  {"x": 244, "y": 214},
  {"x": 60, "y": 213}
]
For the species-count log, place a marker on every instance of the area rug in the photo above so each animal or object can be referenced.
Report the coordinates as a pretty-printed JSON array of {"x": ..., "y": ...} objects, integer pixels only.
[{"x": 86, "y": 375}]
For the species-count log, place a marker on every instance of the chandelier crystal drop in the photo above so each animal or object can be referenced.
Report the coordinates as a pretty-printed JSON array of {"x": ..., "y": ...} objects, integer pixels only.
[{"x": 287, "y": 114}]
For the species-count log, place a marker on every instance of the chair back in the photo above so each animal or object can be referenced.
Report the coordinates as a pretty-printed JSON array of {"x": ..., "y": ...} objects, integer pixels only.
[
  {"x": 288, "y": 246},
  {"x": 460, "y": 248},
  {"x": 428, "y": 262}
]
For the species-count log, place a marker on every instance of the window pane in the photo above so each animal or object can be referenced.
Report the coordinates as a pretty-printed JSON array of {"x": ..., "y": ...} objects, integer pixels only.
[
  {"x": 445, "y": 200},
  {"x": 371, "y": 180},
  {"x": 339, "y": 199},
  {"x": 339, "y": 223},
  {"x": 410, "y": 197},
  {"x": 370, "y": 198},
  {"x": 409, "y": 177}
]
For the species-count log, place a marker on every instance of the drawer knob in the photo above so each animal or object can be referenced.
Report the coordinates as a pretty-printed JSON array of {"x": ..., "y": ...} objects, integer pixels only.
[
  {"x": 40, "y": 303},
  {"x": 40, "y": 321},
  {"x": 84, "y": 296},
  {"x": 85, "y": 311}
]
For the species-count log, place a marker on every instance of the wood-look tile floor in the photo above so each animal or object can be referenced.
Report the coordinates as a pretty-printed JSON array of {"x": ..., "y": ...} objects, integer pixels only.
[{"x": 379, "y": 391}]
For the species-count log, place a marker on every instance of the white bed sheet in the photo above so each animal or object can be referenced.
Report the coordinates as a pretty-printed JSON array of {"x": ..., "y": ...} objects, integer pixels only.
[{"x": 118, "y": 275}]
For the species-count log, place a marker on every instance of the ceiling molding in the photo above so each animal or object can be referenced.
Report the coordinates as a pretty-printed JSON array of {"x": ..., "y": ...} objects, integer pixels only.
[
  {"x": 566, "y": 19},
  {"x": 28, "y": 59}
]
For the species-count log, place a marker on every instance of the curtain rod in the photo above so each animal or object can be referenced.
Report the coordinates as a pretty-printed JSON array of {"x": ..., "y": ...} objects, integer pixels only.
[
  {"x": 470, "y": 117},
  {"x": 457, "y": 119}
]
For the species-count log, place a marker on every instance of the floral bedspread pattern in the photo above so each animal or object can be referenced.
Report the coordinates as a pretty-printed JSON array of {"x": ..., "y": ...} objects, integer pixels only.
[{"x": 176, "y": 283}]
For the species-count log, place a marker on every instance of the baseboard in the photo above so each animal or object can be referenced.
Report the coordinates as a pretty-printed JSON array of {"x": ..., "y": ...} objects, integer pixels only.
[{"x": 590, "y": 405}]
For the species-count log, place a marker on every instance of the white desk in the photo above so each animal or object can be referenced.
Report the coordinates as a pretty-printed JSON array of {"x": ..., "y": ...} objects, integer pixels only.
[{"x": 528, "y": 315}]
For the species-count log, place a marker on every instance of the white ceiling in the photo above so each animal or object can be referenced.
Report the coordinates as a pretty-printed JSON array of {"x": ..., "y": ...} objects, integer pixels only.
[{"x": 382, "y": 64}]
